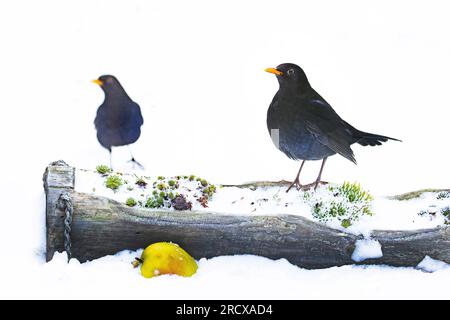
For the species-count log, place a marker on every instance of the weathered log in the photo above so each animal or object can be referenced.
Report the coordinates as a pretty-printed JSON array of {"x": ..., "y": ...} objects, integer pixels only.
[
  {"x": 102, "y": 226},
  {"x": 58, "y": 178}
]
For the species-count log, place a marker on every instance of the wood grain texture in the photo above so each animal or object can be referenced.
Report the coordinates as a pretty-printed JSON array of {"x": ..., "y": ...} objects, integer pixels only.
[
  {"x": 58, "y": 178},
  {"x": 102, "y": 226}
]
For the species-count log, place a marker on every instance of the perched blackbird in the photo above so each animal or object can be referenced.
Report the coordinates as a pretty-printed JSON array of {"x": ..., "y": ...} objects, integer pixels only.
[
  {"x": 305, "y": 127},
  {"x": 119, "y": 119}
]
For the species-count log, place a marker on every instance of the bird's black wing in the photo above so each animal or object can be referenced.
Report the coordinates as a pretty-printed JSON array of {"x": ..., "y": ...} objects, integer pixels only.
[
  {"x": 136, "y": 114},
  {"x": 327, "y": 127},
  {"x": 129, "y": 123}
]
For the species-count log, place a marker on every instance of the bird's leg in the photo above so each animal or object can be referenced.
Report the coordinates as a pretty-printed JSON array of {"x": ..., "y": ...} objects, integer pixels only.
[
  {"x": 320, "y": 173},
  {"x": 134, "y": 160},
  {"x": 110, "y": 159},
  {"x": 296, "y": 181}
]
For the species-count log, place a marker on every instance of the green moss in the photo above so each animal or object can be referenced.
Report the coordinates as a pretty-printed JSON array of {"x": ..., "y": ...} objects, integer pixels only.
[
  {"x": 171, "y": 196},
  {"x": 354, "y": 193},
  {"x": 160, "y": 178},
  {"x": 162, "y": 194},
  {"x": 191, "y": 177},
  {"x": 348, "y": 203},
  {"x": 317, "y": 209},
  {"x": 204, "y": 182},
  {"x": 306, "y": 195},
  {"x": 102, "y": 169},
  {"x": 209, "y": 190},
  {"x": 325, "y": 212},
  {"x": 131, "y": 202},
  {"x": 366, "y": 210},
  {"x": 113, "y": 182},
  {"x": 172, "y": 183},
  {"x": 161, "y": 186},
  {"x": 151, "y": 203},
  {"x": 154, "y": 202},
  {"x": 346, "y": 223},
  {"x": 337, "y": 210}
]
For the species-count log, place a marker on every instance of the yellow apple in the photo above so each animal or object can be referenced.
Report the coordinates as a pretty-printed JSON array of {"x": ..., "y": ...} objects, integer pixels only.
[{"x": 166, "y": 258}]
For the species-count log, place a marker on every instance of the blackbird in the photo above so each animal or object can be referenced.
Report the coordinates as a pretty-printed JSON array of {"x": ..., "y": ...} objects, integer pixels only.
[
  {"x": 305, "y": 127},
  {"x": 119, "y": 119}
]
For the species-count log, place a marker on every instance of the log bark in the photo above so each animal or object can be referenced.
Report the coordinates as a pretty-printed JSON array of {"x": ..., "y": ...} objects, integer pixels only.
[
  {"x": 102, "y": 226},
  {"x": 58, "y": 178}
]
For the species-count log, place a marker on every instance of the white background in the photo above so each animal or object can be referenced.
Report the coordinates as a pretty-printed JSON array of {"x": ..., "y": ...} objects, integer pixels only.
[{"x": 196, "y": 69}]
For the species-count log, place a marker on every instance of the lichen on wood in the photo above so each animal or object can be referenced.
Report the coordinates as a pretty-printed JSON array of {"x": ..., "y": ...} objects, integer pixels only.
[{"x": 415, "y": 194}]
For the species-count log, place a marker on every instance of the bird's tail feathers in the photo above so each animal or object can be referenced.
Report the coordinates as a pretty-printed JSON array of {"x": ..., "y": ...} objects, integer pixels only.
[{"x": 370, "y": 139}]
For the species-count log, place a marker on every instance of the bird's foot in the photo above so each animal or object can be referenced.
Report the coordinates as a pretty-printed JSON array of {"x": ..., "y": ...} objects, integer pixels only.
[
  {"x": 136, "y": 163},
  {"x": 295, "y": 183},
  {"x": 305, "y": 187},
  {"x": 315, "y": 184}
]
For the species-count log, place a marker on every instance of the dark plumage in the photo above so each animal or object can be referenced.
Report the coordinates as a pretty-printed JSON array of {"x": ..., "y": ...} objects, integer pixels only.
[
  {"x": 305, "y": 127},
  {"x": 119, "y": 119}
]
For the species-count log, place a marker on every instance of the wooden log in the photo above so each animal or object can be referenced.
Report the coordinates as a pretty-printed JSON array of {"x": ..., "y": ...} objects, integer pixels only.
[
  {"x": 102, "y": 226},
  {"x": 58, "y": 178}
]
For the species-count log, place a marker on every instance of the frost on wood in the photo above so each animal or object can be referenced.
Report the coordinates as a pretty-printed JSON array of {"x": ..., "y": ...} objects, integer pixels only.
[{"x": 103, "y": 226}]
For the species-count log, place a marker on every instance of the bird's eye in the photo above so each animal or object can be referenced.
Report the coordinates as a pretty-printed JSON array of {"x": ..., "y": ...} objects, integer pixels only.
[{"x": 290, "y": 72}]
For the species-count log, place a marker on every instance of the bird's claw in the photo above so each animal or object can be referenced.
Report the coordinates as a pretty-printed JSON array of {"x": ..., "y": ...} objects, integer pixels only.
[
  {"x": 295, "y": 183},
  {"x": 305, "y": 187},
  {"x": 136, "y": 163}
]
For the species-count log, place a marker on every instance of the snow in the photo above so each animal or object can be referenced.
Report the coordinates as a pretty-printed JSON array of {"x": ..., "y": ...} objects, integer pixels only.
[
  {"x": 89, "y": 181},
  {"x": 405, "y": 214},
  {"x": 366, "y": 249},
  {"x": 432, "y": 265},
  {"x": 226, "y": 277},
  {"x": 387, "y": 213},
  {"x": 200, "y": 82}
]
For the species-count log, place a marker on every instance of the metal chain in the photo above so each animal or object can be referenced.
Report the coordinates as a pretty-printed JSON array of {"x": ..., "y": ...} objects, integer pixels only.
[{"x": 65, "y": 203}]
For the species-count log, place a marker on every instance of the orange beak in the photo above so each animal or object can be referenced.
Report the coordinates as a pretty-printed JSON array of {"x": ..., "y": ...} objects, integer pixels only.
[
  {"x": 99, "y": 82},
  {"x": 274, "y": 71}
]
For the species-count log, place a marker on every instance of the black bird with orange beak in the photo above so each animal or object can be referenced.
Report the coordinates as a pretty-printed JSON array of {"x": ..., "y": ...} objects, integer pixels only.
[
  {"x": 305, "y": 127},
  {"x": 119, "y": 119}
]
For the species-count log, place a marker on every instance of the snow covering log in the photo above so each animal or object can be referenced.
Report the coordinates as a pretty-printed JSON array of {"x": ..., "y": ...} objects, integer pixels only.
[{"x": 102, "y": 226}]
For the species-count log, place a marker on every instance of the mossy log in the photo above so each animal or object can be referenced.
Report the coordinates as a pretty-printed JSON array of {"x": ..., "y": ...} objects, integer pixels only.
[{"x": 102, "y": 226}]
